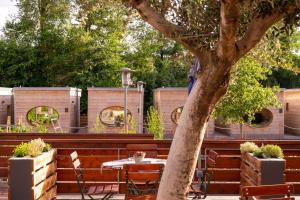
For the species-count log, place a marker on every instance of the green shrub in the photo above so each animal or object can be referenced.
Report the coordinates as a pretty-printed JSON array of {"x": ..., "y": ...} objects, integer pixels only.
[
  {"x": 155, "y": 125},
  {"x": 258, "y": 153},
  {"x": 249, "y": 147},
  {"x": 272, "y": 151},
  {"x": 42, "y": 129},
  {"x": 32, "y": 148},
  {"x": 21, "y": 150}
]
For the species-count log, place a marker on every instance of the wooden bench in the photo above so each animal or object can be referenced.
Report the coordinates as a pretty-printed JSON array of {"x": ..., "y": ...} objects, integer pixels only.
[
  {"x": 149, "y": 149},
  {"x": 268, "y": 192}
]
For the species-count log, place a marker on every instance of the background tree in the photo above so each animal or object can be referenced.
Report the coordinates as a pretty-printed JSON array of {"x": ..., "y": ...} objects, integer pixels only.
[
  {"x": 218, "y": 33},
  {"x": 246, "y": 95}
]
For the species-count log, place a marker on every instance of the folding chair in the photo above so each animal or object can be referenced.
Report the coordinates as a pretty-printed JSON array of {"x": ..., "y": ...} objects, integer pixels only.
[
  {"x": 271, "y": 192},
  {"x": 142, "y": 181},
  {"x": 107, "y": 190},
  {"x": 201, "y": 186}
]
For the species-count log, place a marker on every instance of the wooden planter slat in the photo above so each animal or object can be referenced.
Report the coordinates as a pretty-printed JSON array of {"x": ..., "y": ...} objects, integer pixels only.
[
  {"x": 255, "y": 171},
  {"x": 44, "y": 172},
  {"x": 32, "y": 178},
  {"x": 44, "y": 186},
  {"x": 44, "y": 159},
  {"x": 50, "y": 194}
]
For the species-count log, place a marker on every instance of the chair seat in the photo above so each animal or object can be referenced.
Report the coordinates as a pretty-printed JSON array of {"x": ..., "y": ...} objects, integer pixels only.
[
  {"x": 142, "y": 197},
  {"x": 102, "y": 189}
]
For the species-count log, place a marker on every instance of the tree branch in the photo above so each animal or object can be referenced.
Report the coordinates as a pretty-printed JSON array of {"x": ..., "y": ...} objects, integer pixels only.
[
  {"x": 258, "y": 27},
  {"x": 230, "y": 13},
  {"x": 168, "y": 29}
]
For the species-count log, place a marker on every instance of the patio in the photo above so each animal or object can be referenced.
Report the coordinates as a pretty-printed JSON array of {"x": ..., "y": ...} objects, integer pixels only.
[{"x": 93, "y": 150}]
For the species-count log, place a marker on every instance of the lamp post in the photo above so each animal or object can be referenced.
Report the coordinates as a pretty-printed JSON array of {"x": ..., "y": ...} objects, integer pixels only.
[
  {"x": 140, "y": 87},
  {"x": 126, "y": 81}
]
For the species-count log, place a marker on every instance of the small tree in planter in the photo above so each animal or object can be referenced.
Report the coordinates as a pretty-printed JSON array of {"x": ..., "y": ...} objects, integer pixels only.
[
  {"x": 32, "y": 171},
  {"x": 261, "y": 165},
  {"x": 155, "y": 123}
]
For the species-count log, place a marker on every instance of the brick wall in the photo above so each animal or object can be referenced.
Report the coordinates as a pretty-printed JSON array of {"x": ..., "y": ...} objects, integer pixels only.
[
  {"x": 58, "y": 98},
  {"x": 102, "y": 98},
  {"x": 166, "y": 100},
  {"x": 292, "y": 111}
]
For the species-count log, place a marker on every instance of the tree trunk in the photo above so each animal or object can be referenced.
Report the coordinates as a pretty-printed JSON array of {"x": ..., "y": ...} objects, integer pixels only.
[{"x": 190, "y": 132}]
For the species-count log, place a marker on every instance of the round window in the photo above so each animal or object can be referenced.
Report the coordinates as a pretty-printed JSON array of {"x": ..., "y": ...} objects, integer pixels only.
[
  {"x": 175, "y": 115},
  {"x": 262, "y": 119},
  {"x": 114, "y": 116},
  {"x": 42, "y": 115}
]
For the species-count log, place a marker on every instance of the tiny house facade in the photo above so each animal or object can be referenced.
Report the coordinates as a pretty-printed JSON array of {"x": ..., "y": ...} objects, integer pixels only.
[
  {"x": 169, "y": 103},
  {"x": 269, "y": 121},
  {"x": 6, "y": 107},
  {"x": 58, "y": 108},
  {"x": 292, "y": 111},
  {"x": 106, "y": 110}
]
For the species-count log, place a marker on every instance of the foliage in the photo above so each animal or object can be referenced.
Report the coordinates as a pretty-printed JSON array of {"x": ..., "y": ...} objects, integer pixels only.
[
  {"x": 21, "y": 127},
  {"x": 132, "y": 126},
  {"x": 265, "y": 151},
  {"x": 155, "y": 123},
  {"x": 272, "y": 151},
  {"x": 42, "y": 129},
  {"x": 21, "y": 150},
  {"x": 33, "y": 148},
  {"x": 248, "y": 147},
  {"x": 246, "y": 94},
  {"x": 98, "y": 126}
]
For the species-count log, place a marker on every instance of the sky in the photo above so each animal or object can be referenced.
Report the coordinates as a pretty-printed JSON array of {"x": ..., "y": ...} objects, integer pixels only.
[{"x": 7, "y": 8}]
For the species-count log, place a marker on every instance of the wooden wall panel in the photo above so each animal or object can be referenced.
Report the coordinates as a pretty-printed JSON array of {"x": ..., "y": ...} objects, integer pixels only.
[{"x": 92, "y": 152}]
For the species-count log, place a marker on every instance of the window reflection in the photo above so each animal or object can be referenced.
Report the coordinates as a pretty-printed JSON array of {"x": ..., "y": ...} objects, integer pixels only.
[
  {"x": 114, "y": 116},
  {"x": 42, "y": 115},
  {"x": 175, "y": 115}
]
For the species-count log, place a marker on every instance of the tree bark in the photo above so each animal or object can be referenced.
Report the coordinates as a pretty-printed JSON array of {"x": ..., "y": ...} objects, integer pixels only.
[{"x": 190, "y": 132}]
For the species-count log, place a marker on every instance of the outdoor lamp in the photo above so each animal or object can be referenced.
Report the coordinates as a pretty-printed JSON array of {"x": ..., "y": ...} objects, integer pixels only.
[
  {"x": 126, "y": 82},
  {"x": 140, "y": 86},
  {"x": 126, "y": 72}
]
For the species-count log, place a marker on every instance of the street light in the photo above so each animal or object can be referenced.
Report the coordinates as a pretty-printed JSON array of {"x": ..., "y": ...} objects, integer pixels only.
[
  {"x": 140, "y": 87},
  {"x": 126, "y": 82}
]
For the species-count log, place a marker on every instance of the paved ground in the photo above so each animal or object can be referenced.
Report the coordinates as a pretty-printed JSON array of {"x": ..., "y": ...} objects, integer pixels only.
[{"x": 121, "y": 197}]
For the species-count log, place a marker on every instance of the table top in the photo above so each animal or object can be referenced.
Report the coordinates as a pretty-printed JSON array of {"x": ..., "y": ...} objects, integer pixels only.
[{"x": 118, "y": 164}]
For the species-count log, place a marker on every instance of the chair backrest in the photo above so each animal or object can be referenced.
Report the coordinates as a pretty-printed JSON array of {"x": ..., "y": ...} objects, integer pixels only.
[
  {"x": 268, "y": 190},
  {"x": 78, "y": 171},
  {"x": 142, "y": 173},
  {"x": 211, "y": 159},
  {"x": 149, "y": 149}
]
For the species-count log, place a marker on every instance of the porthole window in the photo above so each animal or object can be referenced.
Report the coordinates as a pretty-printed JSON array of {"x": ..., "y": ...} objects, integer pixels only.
[
  {"x": 114, "y": 116},
  {"x": 175, "y": 115},
  {"x": 262, "y": 119},
  {"x": 42, "y": 115}
]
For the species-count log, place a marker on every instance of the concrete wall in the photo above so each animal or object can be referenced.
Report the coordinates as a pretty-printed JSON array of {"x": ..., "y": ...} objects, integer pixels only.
[
  {"x": 102, "y": 98},
  {"x": 5, "y": 104},
  {"x": 166, "y": 100},
  {"x": 276, "y": 126},
  {"x": 292, "y": 111},
  {"x": 63, "y": 100}
]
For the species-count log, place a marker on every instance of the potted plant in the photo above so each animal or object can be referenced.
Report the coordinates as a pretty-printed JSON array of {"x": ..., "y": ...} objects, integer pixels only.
[
  {"x": 261, "y": 165},
  {"x": 32, "y": 171},
  {"x": 139, "y": 156}
]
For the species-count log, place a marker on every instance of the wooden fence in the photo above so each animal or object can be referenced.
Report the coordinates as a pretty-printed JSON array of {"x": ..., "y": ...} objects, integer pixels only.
[{"x": 93, "y": 150}]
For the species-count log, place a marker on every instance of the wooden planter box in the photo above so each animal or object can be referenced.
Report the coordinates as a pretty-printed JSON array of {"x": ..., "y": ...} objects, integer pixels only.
[
  {"x": 259, "y": 171},
  {"x": 33, "y": 178}
]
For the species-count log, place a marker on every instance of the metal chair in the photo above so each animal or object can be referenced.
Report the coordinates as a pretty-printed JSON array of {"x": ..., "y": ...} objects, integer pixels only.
[
  {"x": 107, "y": 190},
  {"x": 142, "y": 180},
  {"x": 201, "y": 186}
]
